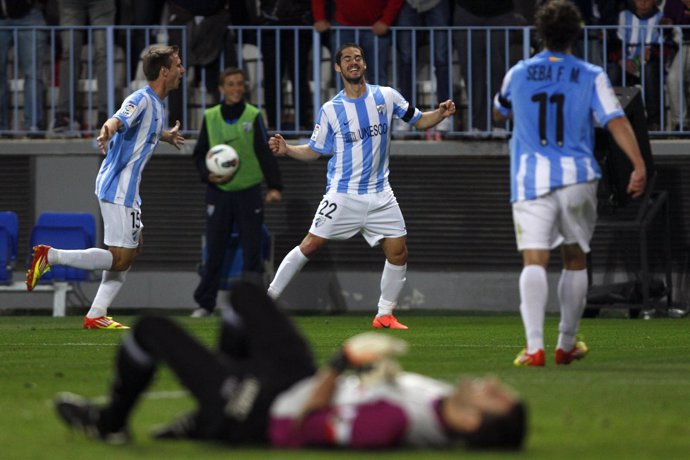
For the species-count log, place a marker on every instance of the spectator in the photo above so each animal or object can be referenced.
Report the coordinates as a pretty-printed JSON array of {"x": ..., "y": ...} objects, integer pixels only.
[
  {"x": 207, "y": 38},
  {"x": 286, "y": 13},
  {"x": 82, "y": 13},
  {"x": 480, "y": 86},
  {"x": 140, "y": 13},
  {"x": 428, "y": 13},
  {"x": 29, "y": 50},
  {"x": 677, "y": 12},
  {"x": 597, "y": 13},
  {"x": 379, "y": 15},
  {"x": 261, "y": 387},
  {"x": 234, "y": 200},
  {"x": 638, "y": 53}
]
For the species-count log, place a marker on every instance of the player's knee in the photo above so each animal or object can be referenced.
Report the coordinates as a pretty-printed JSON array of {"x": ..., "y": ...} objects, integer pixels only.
[
  {"x": 399, "y": 257},
  {"x": 120, "y": 265},
  {"x": 311, "y": 244},
  {"x": 123, "y": 260},
  {"x": 574, "y": 258}
]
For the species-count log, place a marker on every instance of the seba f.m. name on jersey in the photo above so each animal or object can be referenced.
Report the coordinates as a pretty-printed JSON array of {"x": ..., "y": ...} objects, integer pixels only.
[{"x": 555, "y": 100}]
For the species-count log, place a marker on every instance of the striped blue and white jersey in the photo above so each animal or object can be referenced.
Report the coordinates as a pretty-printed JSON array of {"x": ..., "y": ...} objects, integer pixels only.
[
  {"x": 555, "y": 100},
  {"x": 635, "y": 32},
  {"x": 357, "y": 132},
  {"x": 143, "y": 117}
]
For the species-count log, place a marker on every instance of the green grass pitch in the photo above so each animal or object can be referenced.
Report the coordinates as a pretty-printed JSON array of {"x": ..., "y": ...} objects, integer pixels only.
[{"x": 630, "y": 398}]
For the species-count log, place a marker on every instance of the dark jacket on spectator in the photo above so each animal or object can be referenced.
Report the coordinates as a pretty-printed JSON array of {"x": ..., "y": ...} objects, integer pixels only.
[
  {"x": 15, "y": 9},
  {"x": 484, "y": 9},
  {"x": 286, "y": 12},
  {"x": 675, "y": 11}
]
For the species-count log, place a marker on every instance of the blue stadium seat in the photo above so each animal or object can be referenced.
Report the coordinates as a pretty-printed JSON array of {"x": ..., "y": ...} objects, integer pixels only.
[
  {"x": 65, "y": 230},
  {"x": 9, "y": 234},
  {"x": 233, "y": 261}
]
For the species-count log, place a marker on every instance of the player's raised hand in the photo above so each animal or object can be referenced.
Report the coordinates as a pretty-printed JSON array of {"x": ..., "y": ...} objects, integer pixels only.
[
  {"x": 447, "y": 108},
  {"x": 277, "y": 144}
]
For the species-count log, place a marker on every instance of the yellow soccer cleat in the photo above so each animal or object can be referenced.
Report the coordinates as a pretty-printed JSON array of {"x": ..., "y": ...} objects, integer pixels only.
[
  {"x": 102, "y": 322},
  {"x": 39, "y": 266},
  {"x": 526, "y": 359},
  {"x": 579, "y": 351}
]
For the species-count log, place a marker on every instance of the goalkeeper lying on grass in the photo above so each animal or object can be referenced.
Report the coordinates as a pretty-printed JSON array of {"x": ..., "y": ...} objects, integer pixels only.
[{"x": 261, "y": 387}]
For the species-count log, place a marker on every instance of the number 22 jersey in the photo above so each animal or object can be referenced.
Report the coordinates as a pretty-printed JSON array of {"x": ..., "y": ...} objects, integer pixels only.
[{"x": 555, "y": 99}]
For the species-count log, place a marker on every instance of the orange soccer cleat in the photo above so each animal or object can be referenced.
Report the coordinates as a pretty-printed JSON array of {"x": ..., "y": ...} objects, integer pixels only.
[{"x": 387, "y": 322}]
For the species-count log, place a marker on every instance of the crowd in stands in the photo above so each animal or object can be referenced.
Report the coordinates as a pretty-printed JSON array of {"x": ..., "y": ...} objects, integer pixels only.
[{"x": 632, "y": 41}]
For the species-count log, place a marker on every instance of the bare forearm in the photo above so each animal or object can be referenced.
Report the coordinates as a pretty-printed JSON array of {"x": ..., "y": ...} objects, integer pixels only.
[
  {"x": 623, "y": 134},
  {"x": 301, "y": 152},
  {"x": 429, "y": 119},
  {"x": 323, "y": 391}
]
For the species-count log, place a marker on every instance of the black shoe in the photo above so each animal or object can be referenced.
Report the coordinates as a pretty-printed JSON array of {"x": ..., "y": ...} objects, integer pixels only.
[
  {"x": 184, "y": 427},
  {"x": 79, "y": 414}
]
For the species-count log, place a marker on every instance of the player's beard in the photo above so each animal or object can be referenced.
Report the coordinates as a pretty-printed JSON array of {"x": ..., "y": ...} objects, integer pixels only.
[{"x": 355, "y": 80}]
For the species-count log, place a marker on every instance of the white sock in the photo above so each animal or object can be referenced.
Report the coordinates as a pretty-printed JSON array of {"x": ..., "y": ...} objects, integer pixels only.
[
  {"x": 289, "y": 267},
  {"x": 86, "y": 259},
  {"x": 572, "y": 296},
  {"x": 111, "y": 282},
  {"x": 392, "y": 282},
  {"x": 534, "y": 293}
]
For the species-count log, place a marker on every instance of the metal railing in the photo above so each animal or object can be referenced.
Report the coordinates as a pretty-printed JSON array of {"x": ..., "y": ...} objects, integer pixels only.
[{"x": 290, "y": 74}]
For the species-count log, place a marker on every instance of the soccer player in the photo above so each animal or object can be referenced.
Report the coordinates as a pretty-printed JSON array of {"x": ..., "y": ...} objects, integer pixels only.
[
  {"x": 553, "y": 99},
  {"x": 355, "y": 128},
  {"x": 261, "y": 387},
  {"x": 128, "y": 139}
]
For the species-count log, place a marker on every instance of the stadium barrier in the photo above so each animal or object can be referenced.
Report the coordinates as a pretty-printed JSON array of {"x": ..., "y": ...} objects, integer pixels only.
[{"x": 198, "y": 92}]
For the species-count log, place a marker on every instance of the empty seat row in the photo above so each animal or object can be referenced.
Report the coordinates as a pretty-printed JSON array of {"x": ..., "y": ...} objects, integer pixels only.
[{"x": 59, "y": 229}]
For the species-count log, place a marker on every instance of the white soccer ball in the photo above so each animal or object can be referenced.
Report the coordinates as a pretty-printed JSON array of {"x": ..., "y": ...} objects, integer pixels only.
[{"x": 222, "y": 160}]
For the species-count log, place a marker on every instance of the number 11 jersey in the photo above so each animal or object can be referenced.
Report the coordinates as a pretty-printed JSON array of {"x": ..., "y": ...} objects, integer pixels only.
[{"x": 555, "y": 100}]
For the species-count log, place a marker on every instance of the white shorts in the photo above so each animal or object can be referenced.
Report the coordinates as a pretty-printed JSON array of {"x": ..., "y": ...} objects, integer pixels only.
[
  {"x": 376, "y": 216},
  {"x": 565, "y": 216},
  {"x": 122, "y": 226}
]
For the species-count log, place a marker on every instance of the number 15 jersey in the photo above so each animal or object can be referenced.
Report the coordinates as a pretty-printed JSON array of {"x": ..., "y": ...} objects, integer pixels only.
[{"x": 555, "y": 99}]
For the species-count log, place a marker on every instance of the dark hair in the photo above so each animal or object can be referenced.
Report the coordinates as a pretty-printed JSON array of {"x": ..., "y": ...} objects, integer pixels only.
[
  {"x": 157, "y": 57},
  {"x": 500, "y": 432},
  {"x": 339, "y": 53},
  {"x": 231, "y": 71},
  {"x": 558, "y": 24}
]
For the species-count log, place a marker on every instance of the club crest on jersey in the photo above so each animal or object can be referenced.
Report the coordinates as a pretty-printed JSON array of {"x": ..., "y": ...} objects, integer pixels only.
[
  {"x": 315, "y": 133},
  {"x": 128, "y": 110},
  {"x": 381, "y": 108},
  {"x": 246, "y": 126}
]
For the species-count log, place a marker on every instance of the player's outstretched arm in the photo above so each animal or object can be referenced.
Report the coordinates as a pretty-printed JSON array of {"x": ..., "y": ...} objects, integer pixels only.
[
  {"x": 174, "y": 137},
  {"x": 108, "y": 129},
  {"x": 302, "y": 152},
  {"x": 623, "y": 134},
  {"x": 432, "y": 118}
]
